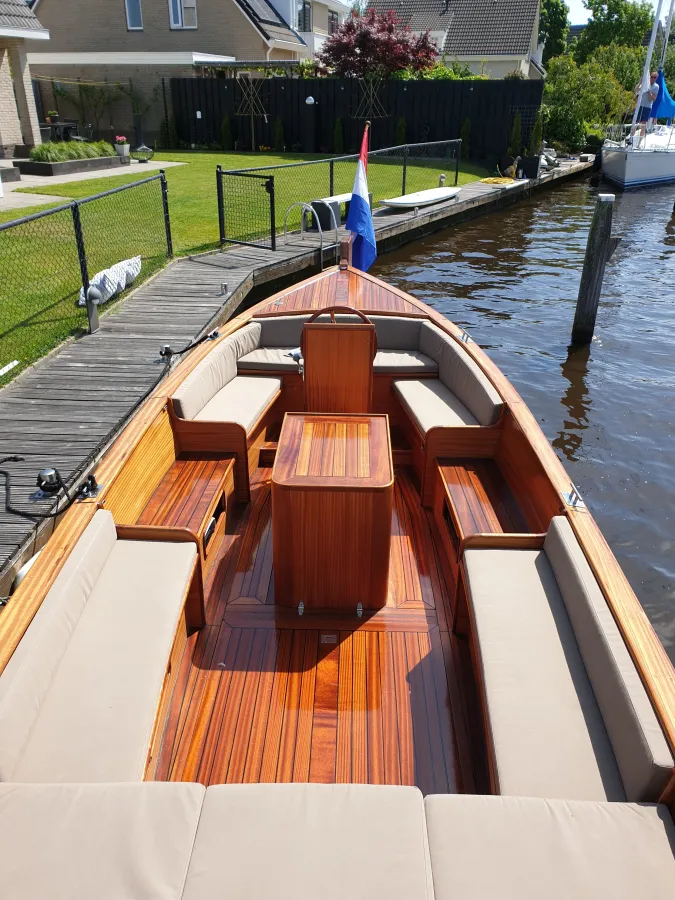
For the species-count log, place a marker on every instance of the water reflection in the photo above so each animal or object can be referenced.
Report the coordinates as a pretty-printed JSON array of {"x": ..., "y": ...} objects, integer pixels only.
[
  {"x": 511, "y": 279},
  {"x": 576, "y": 401}
]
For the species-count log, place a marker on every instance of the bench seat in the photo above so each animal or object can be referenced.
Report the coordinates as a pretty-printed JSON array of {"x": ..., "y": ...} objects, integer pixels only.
[
  {"x": 86, "y": 841},
  {"x": 361, "y": 842},
  {"x": 516, "y": 848},
  {"x": 242, "y": 401},
  {"x": 431, "y": 404},
  {"x": 269, "y": 359},
  {"x": 401, "y": 362},
  {"x": 79, "y": 696},
  {"x": 567, "y": 714}
]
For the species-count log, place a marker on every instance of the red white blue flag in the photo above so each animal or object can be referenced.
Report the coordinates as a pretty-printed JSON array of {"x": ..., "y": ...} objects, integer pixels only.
[{"x": 359, "y": 218}]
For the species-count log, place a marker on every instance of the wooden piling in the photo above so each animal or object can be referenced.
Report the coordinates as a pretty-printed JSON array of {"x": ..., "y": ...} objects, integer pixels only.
[{"x": 598, "y": 250}]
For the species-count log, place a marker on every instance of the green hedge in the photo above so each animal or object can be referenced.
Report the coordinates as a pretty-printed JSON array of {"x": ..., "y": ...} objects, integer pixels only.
[{"x": 65, "y": 150}]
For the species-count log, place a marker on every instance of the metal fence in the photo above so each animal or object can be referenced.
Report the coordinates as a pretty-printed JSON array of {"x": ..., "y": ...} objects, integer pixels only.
[
  {"x": 46, "y": 258},
  {"x": 252, "y": 203}
]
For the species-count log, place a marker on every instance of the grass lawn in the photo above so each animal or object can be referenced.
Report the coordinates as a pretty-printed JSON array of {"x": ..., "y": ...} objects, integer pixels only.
[{"x": 39, "y": 269}]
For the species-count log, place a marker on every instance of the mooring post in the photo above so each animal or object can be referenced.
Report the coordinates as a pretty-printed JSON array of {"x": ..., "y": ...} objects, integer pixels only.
[{"x": 599, "y": 248}]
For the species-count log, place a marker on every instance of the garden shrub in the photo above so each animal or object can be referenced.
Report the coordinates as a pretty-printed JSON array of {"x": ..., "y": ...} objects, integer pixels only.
[{"x": 63, "y": 151}]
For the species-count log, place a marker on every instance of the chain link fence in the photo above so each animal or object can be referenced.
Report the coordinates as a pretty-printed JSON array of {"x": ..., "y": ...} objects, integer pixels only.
[
  {"x": 252, "y": 203},
  {"x": 46, "y": 258}
]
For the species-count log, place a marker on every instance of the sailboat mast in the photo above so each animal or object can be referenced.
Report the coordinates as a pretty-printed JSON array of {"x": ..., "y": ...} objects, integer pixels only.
[
  {"x": 669, "y": 22},
  {"x": 648, "y": 62}
]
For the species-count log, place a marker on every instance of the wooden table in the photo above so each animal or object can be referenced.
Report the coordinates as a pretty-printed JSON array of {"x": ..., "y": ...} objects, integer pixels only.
[{"x": 332, "y": 497}]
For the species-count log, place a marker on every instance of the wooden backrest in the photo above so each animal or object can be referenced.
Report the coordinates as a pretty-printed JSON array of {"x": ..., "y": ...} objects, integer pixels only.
[
  {"x": 140, "y": 474},
  {"x": 338, "y": 367}
]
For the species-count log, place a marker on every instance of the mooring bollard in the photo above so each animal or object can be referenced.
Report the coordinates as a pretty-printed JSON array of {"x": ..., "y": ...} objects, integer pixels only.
[{"x": 599, "y": 249}]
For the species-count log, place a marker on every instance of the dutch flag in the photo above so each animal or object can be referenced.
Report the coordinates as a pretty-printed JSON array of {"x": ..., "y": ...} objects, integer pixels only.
[{"x": 359, "y": 219}]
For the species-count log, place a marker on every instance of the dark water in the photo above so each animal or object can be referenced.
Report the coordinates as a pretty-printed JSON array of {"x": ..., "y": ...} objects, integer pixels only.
[{"x": 511, "y": 280}]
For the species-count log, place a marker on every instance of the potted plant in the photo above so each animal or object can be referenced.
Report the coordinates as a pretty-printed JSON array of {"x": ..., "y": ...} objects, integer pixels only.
[
  {"x": 121, "y": 145},
  {"x": 530, "y": 164},
  {"x": 52, "y": 116}
]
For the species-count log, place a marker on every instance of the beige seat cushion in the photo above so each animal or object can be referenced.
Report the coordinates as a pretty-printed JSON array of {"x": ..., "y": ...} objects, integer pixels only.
[
  {"x": 432, "y": 405},
  {"x": 96, "y": 842},
  {"x": 243, "y": 400},
  {"x": 214, "y": 371},
  {"x": 548, "y": 736},
  {"x": 639, "y": 745},
  {"x": 96, "y": 721},
  {"x": 280, "y": 331},
  {"x": 515, "y": 848},
  {"x": 403, "y": 362},
  {"x": 273, "y": 359},
  {"x": 27, "y": 677},
  {"x": 301, "y": 841},
  {"x": 461, "y": 374}
]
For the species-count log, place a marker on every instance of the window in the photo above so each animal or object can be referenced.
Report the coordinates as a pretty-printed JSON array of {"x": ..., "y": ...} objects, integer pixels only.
[
  {"x": 333, "y": 22},
  {"x": 304, "y": 15},
  {"x": 134, "y": 15},
  {"x": 183, "y": 13}
]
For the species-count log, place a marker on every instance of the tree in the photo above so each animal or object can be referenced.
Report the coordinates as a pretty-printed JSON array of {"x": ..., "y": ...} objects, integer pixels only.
[
  {"x": 614, "y": 21},
  {"x": 625, "y": 63},
  {"x": 575, "y": 95},
  {"x": 371, "y": 45},
  {"x": 553, "y": 27},
  {"x": 516, "y": 136}
]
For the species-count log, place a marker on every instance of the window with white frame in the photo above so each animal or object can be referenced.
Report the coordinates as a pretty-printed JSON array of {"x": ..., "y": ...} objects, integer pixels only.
[
  {"x": 183, "y": 13},
  {"x": 304, "y": 16},
  {"x": 134, "y": 15}
]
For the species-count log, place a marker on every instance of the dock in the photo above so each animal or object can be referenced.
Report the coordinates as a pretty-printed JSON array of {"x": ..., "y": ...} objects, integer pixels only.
[{"x": 68, "y": 408}]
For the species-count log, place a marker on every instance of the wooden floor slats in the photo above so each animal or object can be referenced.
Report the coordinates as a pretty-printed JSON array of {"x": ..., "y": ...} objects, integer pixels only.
[{"x": 263, "y": 695}]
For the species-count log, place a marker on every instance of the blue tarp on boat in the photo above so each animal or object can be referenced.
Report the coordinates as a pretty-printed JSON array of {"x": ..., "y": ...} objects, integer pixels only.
[{"x": 664, "y": 105}]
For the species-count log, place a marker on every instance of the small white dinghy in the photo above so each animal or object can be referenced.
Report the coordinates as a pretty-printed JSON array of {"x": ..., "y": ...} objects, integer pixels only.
[{"x": 422, "y": 198}]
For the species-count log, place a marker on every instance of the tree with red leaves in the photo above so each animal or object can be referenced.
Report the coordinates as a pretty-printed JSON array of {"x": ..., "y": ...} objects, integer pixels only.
[{"x": 372, "y": 44}]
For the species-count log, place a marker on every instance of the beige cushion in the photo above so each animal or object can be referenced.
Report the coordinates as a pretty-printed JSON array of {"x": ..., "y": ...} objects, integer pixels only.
[
  {"x": 96, "y": 720},
  {"x": 301, "y": 841},
  {"x": 432, "y": 405},
  {"x": 640, "y": 748},
  {"x": 214, "y": 371},
  {"x": 96, "y": 842},
  {"x": 547, "y": 732},
  {"x": 403, "y": 362},
  {"x": 243, "y": 400},
  {"x": 281, "y": 331},
  {"x": 460, "y": 373},
  {"x": 397, "y": 332},
  {"x": 273, "y": 359},
  {"x": 515, "y": 848},
  {"x": 25, "y": 681}
]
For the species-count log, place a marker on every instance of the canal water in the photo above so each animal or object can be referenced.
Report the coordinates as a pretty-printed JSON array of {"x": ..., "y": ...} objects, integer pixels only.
[{"x": 511, "y": 279}]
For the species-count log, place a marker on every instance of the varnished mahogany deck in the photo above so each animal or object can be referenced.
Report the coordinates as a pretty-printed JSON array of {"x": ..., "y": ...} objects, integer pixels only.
[{"x": 263, "y": 695}]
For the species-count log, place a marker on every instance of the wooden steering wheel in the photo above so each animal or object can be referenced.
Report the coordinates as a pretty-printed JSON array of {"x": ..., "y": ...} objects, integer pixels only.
[{"x": 331, "y": 310}]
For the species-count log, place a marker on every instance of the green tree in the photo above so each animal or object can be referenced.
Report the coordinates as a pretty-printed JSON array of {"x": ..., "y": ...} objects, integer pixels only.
[
  {"x": 553, "y": 27},
  {"x": 625, "y": 63},
  {"x": 516, "y": 136},
  {"x": 614, "y": 21},
  {"x": 536, "y": 136}
]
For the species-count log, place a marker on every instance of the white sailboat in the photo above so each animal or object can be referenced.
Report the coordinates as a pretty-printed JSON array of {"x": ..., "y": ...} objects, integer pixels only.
[{"x": 636, "y": 159}]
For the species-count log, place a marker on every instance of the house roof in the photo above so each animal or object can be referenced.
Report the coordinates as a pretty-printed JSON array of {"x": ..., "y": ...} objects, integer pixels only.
[
  {"x": 17, "y": 14},
  {"x": 471, "y": 27},
  {"x": 268, "y": 22}
]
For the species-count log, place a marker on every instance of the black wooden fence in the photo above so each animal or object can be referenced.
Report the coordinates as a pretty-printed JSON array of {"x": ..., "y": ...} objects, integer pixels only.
[{"x": 208, "y": 110}]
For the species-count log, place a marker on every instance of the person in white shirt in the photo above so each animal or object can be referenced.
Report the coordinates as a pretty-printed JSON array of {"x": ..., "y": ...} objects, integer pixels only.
[{"x": 646, "y": 101}]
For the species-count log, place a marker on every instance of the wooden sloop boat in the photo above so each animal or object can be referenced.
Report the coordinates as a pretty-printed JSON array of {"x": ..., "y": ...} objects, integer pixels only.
[{"x": 358, "y": 617}]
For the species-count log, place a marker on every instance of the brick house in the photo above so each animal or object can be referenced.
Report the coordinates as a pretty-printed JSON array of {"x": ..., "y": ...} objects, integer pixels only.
[
  {"x": 140, "y": 42},
  {"x": 491, "y": 38},
  {"x": 19, "y": 125}
]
